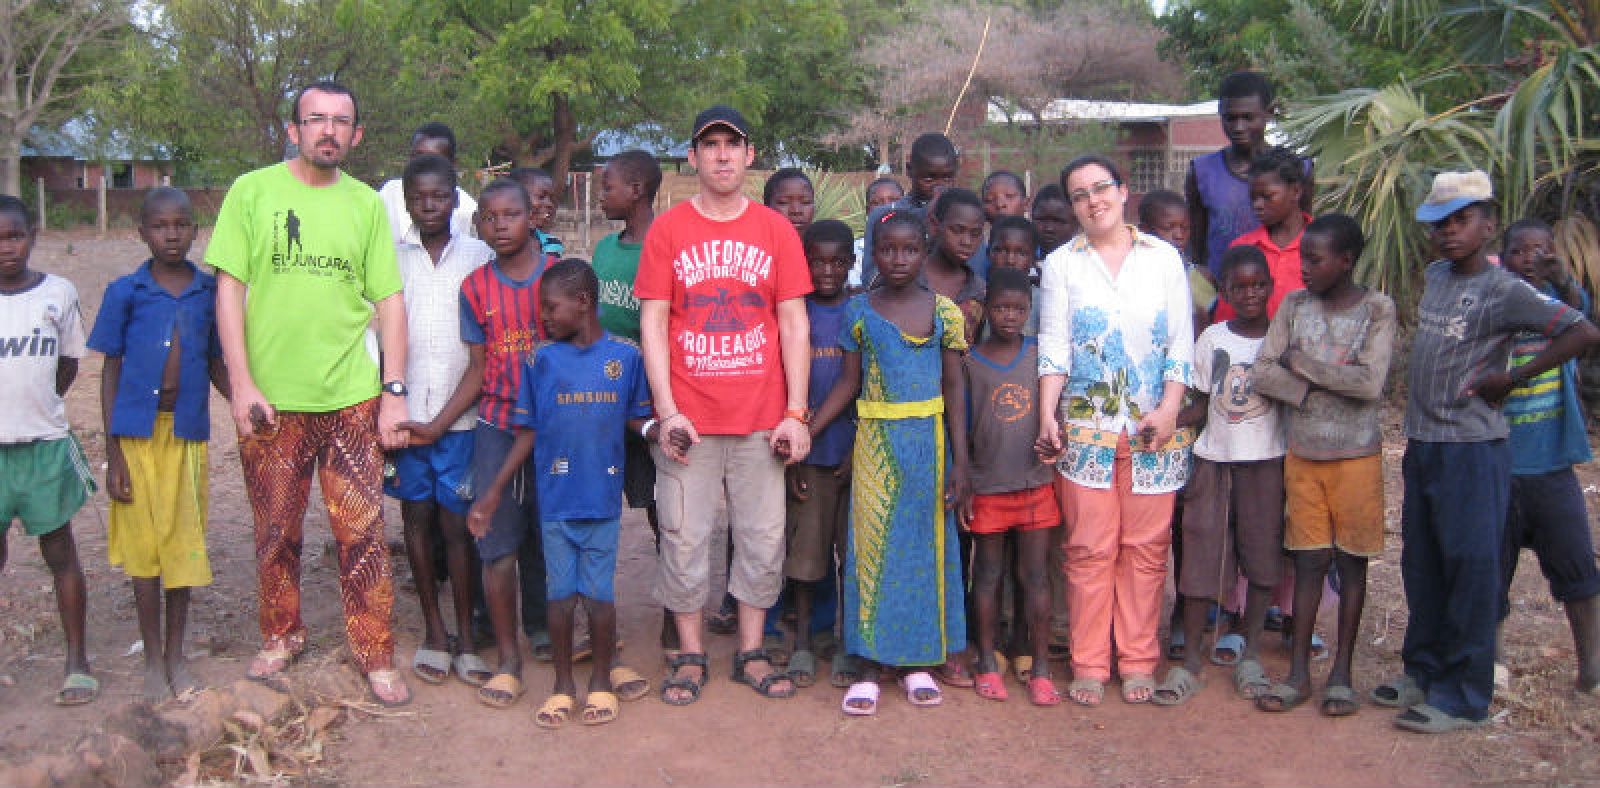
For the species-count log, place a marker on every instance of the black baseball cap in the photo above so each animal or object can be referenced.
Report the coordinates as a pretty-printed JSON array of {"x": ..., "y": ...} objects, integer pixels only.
[{"x": 721, "y": 115}]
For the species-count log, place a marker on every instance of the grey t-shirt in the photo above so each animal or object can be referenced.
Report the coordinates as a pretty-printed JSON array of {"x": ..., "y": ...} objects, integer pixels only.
[
  {"x": 1464, "y": 330},
  {"x": 1003, "y": 421}
]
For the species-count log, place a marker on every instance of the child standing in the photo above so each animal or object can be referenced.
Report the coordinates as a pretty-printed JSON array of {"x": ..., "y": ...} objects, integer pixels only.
[
  {"x": 43, "y": 475},
  {"x": 158, "y": 330},
  {"x": 881, "y": 192},
  {"x": 902, "y": 574},
  {"x": 444, "y": 378},
  {"x": 541, "y": 190},
  {"x": 1326, "y": 358},
  {"x": 931, "y": 167},
  {"x": 956, "y": 226},
  {"x": 1013, "y": 244},
  {"x": 1547, "y": 511},
  {"x": 500, "y": 324},
  {"x": 819, "y": 487},
  {"x": 628, "y": 186},
  {"x": 1233, "y": 501},
  {"x": 1013, "y": 492},
  {"x": 1457, "y": 465},
  {"x": 1277, "y": 186},
  {"x": 1163, "y": 214},
  {"x": 579, "y": 394},
  {"x": 1003, "y": 194}
]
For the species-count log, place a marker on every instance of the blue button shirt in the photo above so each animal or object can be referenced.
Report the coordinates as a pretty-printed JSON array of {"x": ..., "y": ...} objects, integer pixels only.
[{"x": 136, "y": 322}]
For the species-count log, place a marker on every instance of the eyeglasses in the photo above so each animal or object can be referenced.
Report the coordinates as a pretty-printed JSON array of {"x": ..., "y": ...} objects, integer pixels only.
[
  {"x": 1080, "y": 196},
  {"x": 337, "y": 121}
]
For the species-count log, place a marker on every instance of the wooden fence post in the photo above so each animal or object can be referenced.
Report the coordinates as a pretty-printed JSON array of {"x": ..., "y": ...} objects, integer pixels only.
[
  {"x": 100, "y": 188},
  {"x": 40, "y": 181}
]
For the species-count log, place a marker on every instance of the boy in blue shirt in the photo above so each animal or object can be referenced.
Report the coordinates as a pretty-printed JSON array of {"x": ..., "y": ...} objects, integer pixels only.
[
  {"x": 158, "y": 329},
  {"x": 1548, "y": 437},
  {"x": 581, "y": 392}
]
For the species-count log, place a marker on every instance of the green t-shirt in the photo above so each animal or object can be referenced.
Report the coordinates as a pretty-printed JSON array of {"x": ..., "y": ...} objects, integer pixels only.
[
  {"x": 615, "y": 264},
  {"x": 315, "y": 260}
]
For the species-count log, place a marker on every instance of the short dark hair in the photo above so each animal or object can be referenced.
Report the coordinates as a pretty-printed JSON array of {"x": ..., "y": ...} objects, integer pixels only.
[
  {"x": 434, "y": 130},
  {"x": 325, "y": 86},
  {"x": 1006, "y": 175},
  {"x": 1086, "y": 160},
  {"x": 1050, "y": 192},
  {"x": 950, "y": 198},
  {"x": 161, "y": 197},
  {"x": 574, "y": 276},
  {"x": 16, "y": 207},
  {"x": 1240, "y": 256},
  {"x": 640, "y": 167},
  {"x": 1002, "y": 280},
  {"x": 883, "y": 181},
  {"x": 930, "y": 146},
  {"x": 1520, "y": 226},
  {"x": 1159, "y": 200},
  {"x": 1244, "y": 84},
  {"x": 829, "y": 231},
  {"x": 506, "y": 185},
  {"x": 1019, "y": 224},
  {"x": 1282, "y": 162},
  {"x": 524, "y": 175},
  {"x": 428, "y": 164},
  {"x": 785, "y": 174},
  {"x": 1343, "y": 233},
  {"x": 910, "y": 218}
]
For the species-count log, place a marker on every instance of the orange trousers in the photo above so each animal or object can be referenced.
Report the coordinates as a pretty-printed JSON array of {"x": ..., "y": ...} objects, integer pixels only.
[{"x": 1116, "y": 550}]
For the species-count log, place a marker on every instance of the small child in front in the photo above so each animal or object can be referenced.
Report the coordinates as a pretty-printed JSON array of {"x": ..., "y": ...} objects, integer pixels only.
[
  {"x": 1012, "y": 491},
  {"x": 902, "y": 574},
  {"x": 1325, "y": 359},
  {"x": 1233, "y": 502},
  {"x": 158, "y": 330},
  {"x": 44, "y": 477},
  {"x": 581, "y": 392},
  {"x": 1457, "y": 466}
]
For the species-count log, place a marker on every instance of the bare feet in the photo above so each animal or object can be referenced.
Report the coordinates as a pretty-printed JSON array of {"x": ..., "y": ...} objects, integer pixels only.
[
  {"x": 178, "y": 676},
  {"x": 156, "y": 686}
]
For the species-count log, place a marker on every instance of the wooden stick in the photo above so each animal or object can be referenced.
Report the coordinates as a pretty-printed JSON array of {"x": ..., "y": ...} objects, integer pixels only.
[{"x": 963, "y": 94}]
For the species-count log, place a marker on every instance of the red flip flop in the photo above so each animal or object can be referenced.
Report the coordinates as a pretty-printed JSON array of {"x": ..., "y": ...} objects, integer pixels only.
[
  {"x": 991, "y": 686},
  {"x": 1042, "y": 691}
]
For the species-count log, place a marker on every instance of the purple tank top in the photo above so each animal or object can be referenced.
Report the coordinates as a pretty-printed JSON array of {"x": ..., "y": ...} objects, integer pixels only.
[{"x": 1227, "y": 200}]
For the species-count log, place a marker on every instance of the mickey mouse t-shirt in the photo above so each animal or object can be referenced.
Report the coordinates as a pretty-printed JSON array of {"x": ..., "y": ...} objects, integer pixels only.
[{"x": 723, "y": 281}]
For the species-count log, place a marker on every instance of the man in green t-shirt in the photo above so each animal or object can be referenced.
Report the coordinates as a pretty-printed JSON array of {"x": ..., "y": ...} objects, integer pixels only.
[{"x": 311, "y": 246}]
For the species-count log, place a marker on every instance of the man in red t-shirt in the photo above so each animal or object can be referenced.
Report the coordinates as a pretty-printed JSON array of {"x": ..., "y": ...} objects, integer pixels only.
[{"x": 722, "y": 283}]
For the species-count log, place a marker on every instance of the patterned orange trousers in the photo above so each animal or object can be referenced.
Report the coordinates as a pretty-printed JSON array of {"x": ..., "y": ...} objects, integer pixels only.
[{"x": 341, "y": 447}]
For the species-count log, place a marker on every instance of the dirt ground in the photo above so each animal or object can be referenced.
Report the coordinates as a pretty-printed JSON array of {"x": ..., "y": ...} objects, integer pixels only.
[{"x": 1541, "y": 734}]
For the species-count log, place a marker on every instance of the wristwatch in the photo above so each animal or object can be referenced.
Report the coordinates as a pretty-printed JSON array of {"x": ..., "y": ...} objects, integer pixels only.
[
  {"x": 395, "y": 387},
  {"x": 802, "y": 415}
]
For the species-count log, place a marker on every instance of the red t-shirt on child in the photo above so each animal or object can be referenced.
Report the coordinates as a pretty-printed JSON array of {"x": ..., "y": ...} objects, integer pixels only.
[{"x": 723, "y": 282}]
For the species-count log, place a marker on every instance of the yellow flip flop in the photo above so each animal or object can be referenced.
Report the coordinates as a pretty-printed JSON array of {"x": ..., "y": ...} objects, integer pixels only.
[
  {"x": 503, "y": 683},
  {"x": 628, "y": 684},
  {"x": 599, "y": 708},
  {"x": 555, "y": 711}
]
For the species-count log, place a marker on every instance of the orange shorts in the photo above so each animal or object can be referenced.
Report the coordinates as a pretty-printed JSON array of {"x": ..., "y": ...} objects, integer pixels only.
[
  {"x": 1334, "y": 503},
  {"x": 1023, "y": 510}
]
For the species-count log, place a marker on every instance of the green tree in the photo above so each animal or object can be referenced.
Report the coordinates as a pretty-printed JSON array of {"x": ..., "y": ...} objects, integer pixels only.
[
  {"x": 50, "y": 52},
  {"x": 1531, "y": 124}
]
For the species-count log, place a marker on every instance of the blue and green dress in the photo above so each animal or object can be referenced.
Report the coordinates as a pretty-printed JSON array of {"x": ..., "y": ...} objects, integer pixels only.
[{"x": 902, "y": 565}]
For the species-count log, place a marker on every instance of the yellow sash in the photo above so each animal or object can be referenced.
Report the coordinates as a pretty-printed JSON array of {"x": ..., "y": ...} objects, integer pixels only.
[{"x": 874, "y": 409}]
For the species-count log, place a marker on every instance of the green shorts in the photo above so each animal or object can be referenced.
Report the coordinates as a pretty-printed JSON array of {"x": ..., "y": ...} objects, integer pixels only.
[{"x": 42, "y": 483}]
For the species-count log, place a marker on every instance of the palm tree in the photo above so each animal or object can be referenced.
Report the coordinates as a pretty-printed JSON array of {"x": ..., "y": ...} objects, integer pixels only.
[{"x": 1523, "y": 103}]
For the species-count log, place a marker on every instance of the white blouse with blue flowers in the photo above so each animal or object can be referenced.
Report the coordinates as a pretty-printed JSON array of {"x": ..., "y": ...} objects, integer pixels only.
[{"x": 1118, "y": 340}]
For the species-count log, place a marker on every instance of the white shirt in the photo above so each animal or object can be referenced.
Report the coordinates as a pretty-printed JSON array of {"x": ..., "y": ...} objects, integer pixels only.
[
  {"x": 394, "y": 202},
  {"x": 1241, "y": 424},
  {"x": 435, "y": 355},
  {"x": 1118, "y": 340},
  {"x": 38, "y": 327}
]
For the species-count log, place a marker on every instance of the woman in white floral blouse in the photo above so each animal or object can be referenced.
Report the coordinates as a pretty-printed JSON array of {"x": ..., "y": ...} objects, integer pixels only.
[{"x": 1115, "y": 346}]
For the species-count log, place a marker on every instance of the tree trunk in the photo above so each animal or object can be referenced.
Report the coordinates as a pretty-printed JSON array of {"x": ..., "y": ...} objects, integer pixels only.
[
  {"x": 11, "y": 164},
  {"x": 565, "y": 126}
]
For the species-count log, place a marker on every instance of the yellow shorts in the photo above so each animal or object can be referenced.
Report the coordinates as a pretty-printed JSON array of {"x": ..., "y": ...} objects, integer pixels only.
[
  {"x": 1334, "y": 503},
  {"x": 162, "y": 532}
]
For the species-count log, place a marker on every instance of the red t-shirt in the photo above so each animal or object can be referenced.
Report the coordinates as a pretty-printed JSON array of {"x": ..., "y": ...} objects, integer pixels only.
[
  {"x": 723, "y": 282},
  {"x": 1283, "y": 262}
]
